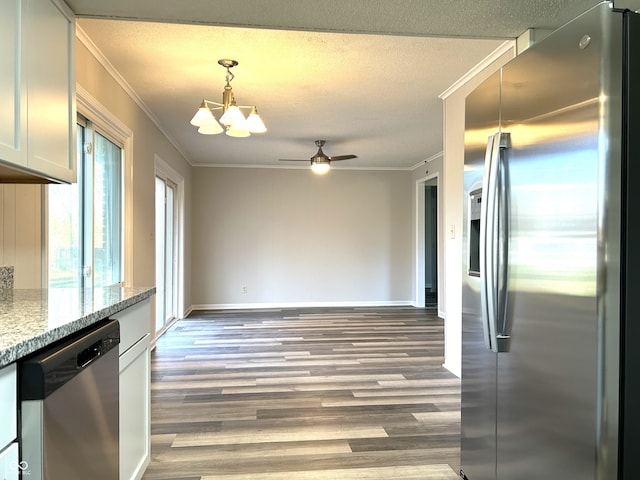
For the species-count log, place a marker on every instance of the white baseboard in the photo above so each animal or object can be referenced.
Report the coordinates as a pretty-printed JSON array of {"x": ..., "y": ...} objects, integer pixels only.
[{"x": 249, "y": 306}]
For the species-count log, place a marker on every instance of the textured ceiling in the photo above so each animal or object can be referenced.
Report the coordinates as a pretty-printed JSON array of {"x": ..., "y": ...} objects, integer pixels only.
[
  {"x": 363, "y": 75},
  {"x": 465, "y": 18}
]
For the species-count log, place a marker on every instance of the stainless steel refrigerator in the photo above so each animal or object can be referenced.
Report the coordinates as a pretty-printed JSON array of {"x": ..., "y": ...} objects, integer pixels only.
[{"x": 551, "y": 280}]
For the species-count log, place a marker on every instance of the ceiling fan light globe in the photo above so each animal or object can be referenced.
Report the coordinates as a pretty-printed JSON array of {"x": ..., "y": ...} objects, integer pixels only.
[{"x": 320, "y": 168}]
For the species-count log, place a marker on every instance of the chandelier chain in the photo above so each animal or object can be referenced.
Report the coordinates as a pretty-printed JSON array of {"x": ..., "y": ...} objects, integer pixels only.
[{"x": 229, "y": 77}]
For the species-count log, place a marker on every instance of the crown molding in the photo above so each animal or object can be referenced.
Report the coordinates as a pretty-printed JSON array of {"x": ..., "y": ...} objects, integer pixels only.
[
  {"x": 488, "y": 60},
  {"x": 113, "y": 72}
]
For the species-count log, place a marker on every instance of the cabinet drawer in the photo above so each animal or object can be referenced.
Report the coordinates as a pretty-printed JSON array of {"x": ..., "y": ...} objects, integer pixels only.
[
  {"x": 135, "y": 323},
  {"x": 8, "y": 405}
]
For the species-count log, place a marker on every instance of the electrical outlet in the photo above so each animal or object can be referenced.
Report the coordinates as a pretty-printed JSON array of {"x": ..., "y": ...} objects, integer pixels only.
[{"x": 244, "y": 289}]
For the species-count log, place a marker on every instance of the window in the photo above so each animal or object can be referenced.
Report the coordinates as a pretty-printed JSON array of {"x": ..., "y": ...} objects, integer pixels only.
[{"x": 85, "y": 220}]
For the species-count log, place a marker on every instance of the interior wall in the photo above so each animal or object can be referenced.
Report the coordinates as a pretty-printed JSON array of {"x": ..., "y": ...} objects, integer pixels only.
[
  {"x": 21, "y": 233},
  {"x": 287, "y": 237}
]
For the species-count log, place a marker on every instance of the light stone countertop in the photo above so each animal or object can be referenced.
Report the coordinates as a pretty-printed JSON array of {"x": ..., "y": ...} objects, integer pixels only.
[{"x": 31, "y": 319}]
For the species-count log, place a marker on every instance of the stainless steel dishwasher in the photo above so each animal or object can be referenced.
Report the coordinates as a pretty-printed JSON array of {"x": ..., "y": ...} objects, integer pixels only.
[{"x": 69, "y": 408}]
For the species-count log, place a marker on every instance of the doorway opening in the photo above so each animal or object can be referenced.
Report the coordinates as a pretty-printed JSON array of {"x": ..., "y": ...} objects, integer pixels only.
[
  {"x": 431, "y": 243},
  {"x": 428, "y": 265}
]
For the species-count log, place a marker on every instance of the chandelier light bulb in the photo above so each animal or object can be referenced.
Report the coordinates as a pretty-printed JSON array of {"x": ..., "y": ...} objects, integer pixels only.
[
  {"x": 232, "y": 116},
  {"x": 238, "y": 130},
  {"x": 211, "y": 127},
  {"x": 203, "y": 115},
  {"x": 254, "y": 123}
]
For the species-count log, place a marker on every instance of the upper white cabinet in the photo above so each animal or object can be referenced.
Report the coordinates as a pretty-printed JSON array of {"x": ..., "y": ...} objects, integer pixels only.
[
  {"x": 37, "y": 91},
  {"x": 12, "y": 120}
]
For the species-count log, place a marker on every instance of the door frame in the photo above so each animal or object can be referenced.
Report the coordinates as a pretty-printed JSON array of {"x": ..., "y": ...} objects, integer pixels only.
[
  {"x": 419, "y": 259},
  {"x": 165, "y": 171}
]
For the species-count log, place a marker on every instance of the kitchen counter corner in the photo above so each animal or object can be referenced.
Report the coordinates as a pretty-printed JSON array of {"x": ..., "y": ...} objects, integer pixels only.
[{"x": 31, "y": 319}]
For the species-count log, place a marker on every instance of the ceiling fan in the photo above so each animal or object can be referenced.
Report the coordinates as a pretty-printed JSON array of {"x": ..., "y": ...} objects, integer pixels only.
[{"x": 320, "y": 162}]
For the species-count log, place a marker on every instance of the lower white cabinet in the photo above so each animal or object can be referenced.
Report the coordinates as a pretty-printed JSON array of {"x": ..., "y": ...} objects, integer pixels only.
[
  {"x": 135, "y": 389},
  {"x": 9, "y": 466},
  {"x": 134, "y": 410},
  {"x": 8, "y": 405}
]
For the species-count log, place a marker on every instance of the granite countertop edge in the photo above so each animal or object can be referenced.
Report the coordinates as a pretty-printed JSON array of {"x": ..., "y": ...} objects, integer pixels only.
[{"x": 41, "y": 340}]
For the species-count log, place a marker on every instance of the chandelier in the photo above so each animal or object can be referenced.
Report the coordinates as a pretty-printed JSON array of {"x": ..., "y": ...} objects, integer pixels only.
[{"x": 232, "y": 121}]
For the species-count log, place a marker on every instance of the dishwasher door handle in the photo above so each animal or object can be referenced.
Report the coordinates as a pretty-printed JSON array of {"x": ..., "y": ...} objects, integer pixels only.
[{"x": 89, "y": 354}]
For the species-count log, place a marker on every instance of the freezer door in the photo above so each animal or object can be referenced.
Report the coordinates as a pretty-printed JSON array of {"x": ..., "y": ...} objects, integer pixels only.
[
  {"x": 557, "y": 107},
  {"x": 478, "y": 407}
]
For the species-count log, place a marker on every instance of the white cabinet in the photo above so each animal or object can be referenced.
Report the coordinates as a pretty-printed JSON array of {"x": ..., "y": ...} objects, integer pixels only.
[
  {"x": 9, "y": 466},
  {"x": 48, "y": 67},
  {"x": 8, "y": 405},
  {"x": 135, "y": 394},
  {"x": 37, "y": 90},
  {"x": 134, "y": 410},
  {"x": 12, "y": 115}
]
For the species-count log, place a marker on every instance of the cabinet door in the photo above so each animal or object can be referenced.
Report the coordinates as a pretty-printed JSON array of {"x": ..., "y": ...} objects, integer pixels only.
[
  {"x": 9, "y": 467},
  {"x": 8, "y": 405},
  {"x": 47, "y": 54},
  {"x": 12, "y": 115},
  {"x": 135, "y": 412}
]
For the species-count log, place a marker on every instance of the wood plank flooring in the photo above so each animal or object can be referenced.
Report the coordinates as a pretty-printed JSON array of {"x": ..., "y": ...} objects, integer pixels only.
[{"x": 332, "y": 393}]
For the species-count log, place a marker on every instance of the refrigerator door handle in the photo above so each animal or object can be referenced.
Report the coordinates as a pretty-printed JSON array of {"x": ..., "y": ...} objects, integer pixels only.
[
  {"x": 487, "y": 230},
  {"x": 502, "y": 328},
  {"x": 493, "y": 242}
]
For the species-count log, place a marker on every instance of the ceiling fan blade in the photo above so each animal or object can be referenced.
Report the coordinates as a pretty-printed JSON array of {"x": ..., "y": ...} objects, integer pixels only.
[
  {"x": 293, "y": 160},
  {"x": 343, "y": 157}
]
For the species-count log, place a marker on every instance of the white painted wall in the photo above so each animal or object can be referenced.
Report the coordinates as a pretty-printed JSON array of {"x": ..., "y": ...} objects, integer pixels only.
[
  {"x": 296, "y": 239},
  {"x": 21, "y": 233}
]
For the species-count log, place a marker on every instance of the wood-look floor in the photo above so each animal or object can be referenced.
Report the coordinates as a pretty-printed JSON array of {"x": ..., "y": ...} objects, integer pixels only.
[{"x": 350, "y": 393}]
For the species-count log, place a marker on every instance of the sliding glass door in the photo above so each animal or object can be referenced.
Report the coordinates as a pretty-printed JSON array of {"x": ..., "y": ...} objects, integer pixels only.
[
  {"x": 85, "y": 219},
  {"x": 166, "y": 252}
]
